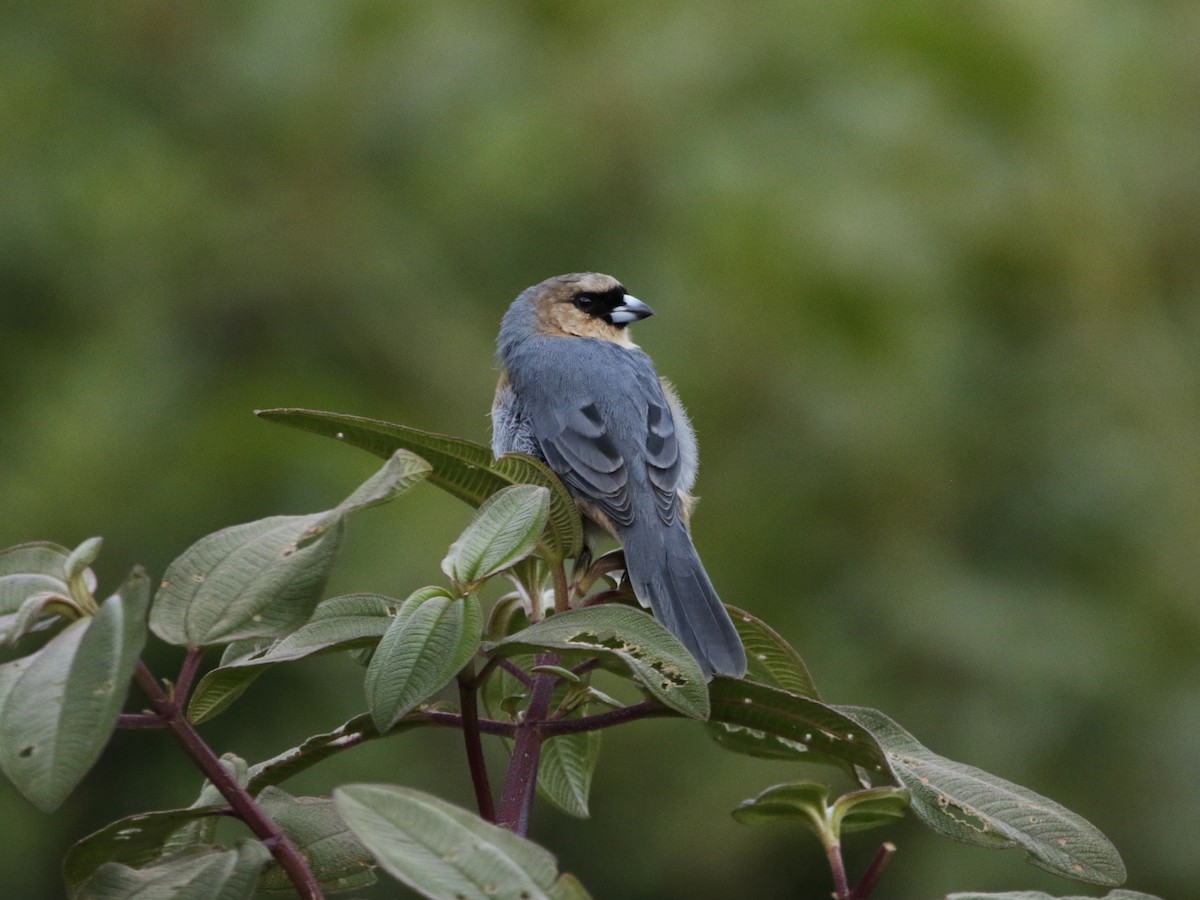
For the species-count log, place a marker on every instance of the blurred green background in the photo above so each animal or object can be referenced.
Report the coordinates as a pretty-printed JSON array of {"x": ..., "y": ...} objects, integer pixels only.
[{"x": 926, "y": 275}]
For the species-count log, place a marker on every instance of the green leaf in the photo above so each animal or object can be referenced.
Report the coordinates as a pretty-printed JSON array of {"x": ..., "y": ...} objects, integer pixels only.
[
  {"x": 337, "y": 858},
  {"x": 133, "y": 841},
  {"x": 769, "y": 723},
  {"x": 339, "y": 623},
  {"x": 463, "y": 468},
  {"x": 442, "y": 851},
  {"x": 262, "y": 579},
  {"x": 504, "y": 532},
  {"x": 806, "y": 802},
  {"x": 59, "y": 706},
  {"x": 36, "y": 570},
  {"x": 870, "y": 808},
  {"x": 32, "y": 568},
  {"x": 770, "y": 659},
  {"x": 969, "y": 805},
  {"x": 654, "y": 656},
  {"x": 568, "y": 887},
  {"x": 431, "y": 638},
  {"x": 1038, "y": 895},
  {"x": 195, "y": 874},
  {"x": 565, "y": 771}
]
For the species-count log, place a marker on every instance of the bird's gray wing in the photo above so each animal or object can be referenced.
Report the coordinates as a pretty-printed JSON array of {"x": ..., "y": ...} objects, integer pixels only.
[
  {"x": 660, "y": 446},
  {"x": 577, "y": 444},
  {"x": 595, "y": 434}
]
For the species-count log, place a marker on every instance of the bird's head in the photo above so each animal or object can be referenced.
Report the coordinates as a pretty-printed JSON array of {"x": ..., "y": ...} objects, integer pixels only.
[{"x": 586, "y": 305}]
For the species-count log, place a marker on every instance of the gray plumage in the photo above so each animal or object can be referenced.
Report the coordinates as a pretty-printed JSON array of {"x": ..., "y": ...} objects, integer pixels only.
[{"x": 579, "y": 395}]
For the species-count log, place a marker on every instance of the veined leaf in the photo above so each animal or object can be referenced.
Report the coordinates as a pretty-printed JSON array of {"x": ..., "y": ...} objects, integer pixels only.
[
  {"x": 503, "y": 533},
  {"x": 337, "y": 858},
  {"x": 262, "y": 579},
  {"x": 770, "y": 659},
  {"x": 444, "y": 852},
  {"x": 196, "y": 874},
  {"x": 339, "y": 623},
  {"x": 972, "y": 806},
  {"x": 431, "y": 638},
  {"x": 132, "y": 841},
  {"x": 763, "y": 721},
  {"x": 59, "y": 706},
  {"x": 461, "y": 467},
  {"x": 38, "y": 570},
  {"x": 565, "y": 771},
  {"x": 652, "y": 654}
]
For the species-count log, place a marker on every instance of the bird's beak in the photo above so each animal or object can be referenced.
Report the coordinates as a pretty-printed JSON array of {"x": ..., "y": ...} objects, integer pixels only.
[{"x": 630, "y": 310}]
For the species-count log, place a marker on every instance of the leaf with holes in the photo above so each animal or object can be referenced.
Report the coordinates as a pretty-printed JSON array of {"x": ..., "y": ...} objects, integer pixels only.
[
  {"x": 59, "y": 706},
  {"x": 132, "y": 841},
  {"x": 442, "y": 851},
  {"x": 770, "y": 659},
  {"x": 629, "y": 636},
  {"x": 972, "y": 806},
  {"x": 262, "y": 579},
  {"x": 766, "y": 722},
  {"x": 463, "y": 468}
]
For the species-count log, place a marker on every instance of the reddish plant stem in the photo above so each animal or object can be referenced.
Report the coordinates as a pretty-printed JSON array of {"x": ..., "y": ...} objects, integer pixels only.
[
  {"x": 187, "y": 674},
  {"x": 471, "y": 737},
  {"x": 521, "y": 783},
  {"x": 287, "y": 854},
  {"x": 870, "y": 878}
]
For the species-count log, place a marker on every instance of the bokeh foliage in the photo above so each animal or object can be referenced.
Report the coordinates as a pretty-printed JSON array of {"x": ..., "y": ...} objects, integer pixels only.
[{"x": 925, "y": 273}]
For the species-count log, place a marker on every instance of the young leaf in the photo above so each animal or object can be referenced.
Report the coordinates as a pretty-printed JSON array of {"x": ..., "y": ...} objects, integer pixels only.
[
  {"x": 504, "y": 532},
  {"x": 339, "y": 623},
  {"x": 870, "y": 808},
  {"x": 565, "y": 771},
  {"x": 442, "y": 851},
  {"x": 262, "y": 579},
  {"x": 654, "y": 656},
  {"x": 196, "y": 874},
  {"x": 806, "y": 802},
  {"x": 36, "y": 570},
  {"x": 969, "y": 805},
  {"x": 32, "y": 568},
  {"x": 133, "y": 841},
  {"x": 766, "y": 722},
  {"x": 463, "y": 468},
  {"x": 59, "y": 706},
  {"x": 337, "y": 858},
  {"x": 431, "y": 638},
  {"x": 1039, "y": 895},
  {"x": 770, "y": 659}
]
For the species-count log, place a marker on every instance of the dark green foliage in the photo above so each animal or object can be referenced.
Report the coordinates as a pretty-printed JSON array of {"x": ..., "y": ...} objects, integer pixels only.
[{"x": 255, "y": 589}]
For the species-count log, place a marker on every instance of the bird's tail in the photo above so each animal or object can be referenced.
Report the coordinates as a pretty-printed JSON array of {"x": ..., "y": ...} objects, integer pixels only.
[{"x": 667, "y": 576}]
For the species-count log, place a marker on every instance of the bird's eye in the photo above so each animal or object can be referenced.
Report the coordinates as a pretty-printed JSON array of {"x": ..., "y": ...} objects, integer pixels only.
[{"x": 584, "y": 301}]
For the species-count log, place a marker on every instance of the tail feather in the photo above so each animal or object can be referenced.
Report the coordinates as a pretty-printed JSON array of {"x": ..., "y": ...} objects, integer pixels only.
[{"x": 667, "y": 575}]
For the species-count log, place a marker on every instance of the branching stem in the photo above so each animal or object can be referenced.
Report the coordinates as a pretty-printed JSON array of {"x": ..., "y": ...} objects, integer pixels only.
[
  {"x": 519, "y": 787},
  {"x": 287, "y": 854}
]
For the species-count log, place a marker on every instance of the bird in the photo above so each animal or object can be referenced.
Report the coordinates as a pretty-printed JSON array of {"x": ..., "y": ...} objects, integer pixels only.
[{"x": 576, "y": 393}]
